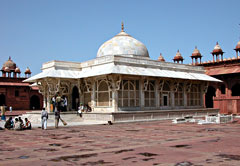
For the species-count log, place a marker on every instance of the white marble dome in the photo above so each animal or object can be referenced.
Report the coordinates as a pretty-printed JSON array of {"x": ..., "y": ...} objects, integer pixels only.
[{"x": 123, "y": 44}]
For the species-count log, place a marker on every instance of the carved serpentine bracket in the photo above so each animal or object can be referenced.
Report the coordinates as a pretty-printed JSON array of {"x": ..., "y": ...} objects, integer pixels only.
[
  {"x": 80, "y": 86},
  {"x": 175, "y": 86},
  {"x": 53, "y": 86},
  {"x": 88, "y": 84},
  {"x": 64, "y": 87},
  {"x": 118, "y": 82},
  {"x": 161, "y": 84},
  {"x": 114, "y": 82},
  {"x": 205, "y": 87},
  {"x": 188, "y": 86},
  {"x": 145, "y": 84},
  {"x": 41, "y": 87}
]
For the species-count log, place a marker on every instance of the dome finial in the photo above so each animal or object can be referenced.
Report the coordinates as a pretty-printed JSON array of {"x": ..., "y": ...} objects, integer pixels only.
[{"x": 122, "y": 27}]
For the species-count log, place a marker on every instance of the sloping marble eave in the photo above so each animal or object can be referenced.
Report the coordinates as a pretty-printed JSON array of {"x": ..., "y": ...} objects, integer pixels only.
[
  {"x": 111, "y": 68},
  {"x": 54, "y": 73}
]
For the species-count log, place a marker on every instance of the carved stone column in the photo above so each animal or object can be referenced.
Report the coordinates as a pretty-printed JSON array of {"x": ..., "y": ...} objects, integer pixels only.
[
  {"x": 203, "y": 91},
  {"x": 157, "y": 100},
  {"x": 187, "y": 89},
  {"x": 90, "y": 84},
  {"x": 114, "y": 82},
  {"x": 43, "y": 90},
  {"x": 174, "y": 88},
  {"x": 93, "y": 94}
]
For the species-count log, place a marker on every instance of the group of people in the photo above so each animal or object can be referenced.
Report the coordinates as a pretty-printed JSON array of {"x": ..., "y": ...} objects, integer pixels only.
[
  {"x": 59, "y": 99},
  {"x": 83, "y": 108},
  {"x": 18, "y": 124}
]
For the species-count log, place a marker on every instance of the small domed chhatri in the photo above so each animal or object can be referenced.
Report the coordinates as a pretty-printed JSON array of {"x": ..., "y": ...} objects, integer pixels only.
[
  {"x": 237, "y": 49},
  {"x": 196, "y": 55},
  {"x": 217, "y": 51},
  {"x": 161, "y": 58},
  {"x": 178, "y": 57},
  {"x": 10, "y": 64},
  {"x": 17, "y": 70},
  {"x": 28, "y": 71},
  {"x": 123, "y": 44}
]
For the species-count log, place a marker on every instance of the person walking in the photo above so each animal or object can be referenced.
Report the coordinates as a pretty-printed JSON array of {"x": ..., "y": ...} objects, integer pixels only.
[
  {"x": 44, "y": 117},
  {"x": 59, "y": 101},
  {"x": 57, "y": 117},
  {"x": 3, "y": 110}
]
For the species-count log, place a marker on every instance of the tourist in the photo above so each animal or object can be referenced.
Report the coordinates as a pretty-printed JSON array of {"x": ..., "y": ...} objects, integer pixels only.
[
  {"x": 44, "y": 118},
  {"x": 3, "y": 111},
  {"x": 10, "y": 108},
  {"x": 9, "y": 124},
  {"x": 21, "y": 122},
  {"x": 88, "y": 108},
  {"x": 57, "y": 117},
  {"x": 80, "y": 109},
  {"x": 17, "y": 125},
  {"x": 28, "y": 125},
  {"x": 65, "y": 103},
  {"x": 59, "y": 101}
]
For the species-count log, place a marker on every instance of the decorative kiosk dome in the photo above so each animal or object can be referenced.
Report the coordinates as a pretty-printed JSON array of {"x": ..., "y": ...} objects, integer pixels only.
[
  {"x": 237, "y": 46},
  {"x": 161, "y": 58},
  {"x": 10, "y": 64},
  {"x": 178, "y": 57},
  {"x": 27, "y": 71},
  {"x": 17, "y": 70},
  {"x": 196, "y": 53},
  {"x": 217, "y": 52},
  {"x": 237, "y": 49},
  {"x": 123, "y": 44},
  {"x": 217, "y": 49},
  {"x": 195, "y": 56}
]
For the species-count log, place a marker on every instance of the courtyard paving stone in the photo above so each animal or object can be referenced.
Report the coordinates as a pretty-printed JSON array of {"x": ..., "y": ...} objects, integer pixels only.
[{"x": 140, "y": 143}]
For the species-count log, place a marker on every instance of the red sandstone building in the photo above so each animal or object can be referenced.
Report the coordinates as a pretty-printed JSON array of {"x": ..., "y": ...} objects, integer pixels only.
[
  {"x": 225, "y": 95},
  {"x": 15, "y": 93}
]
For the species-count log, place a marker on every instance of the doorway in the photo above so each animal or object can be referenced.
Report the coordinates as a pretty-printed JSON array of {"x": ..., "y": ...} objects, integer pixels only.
[
  {"x": 165, "y": 100},
  {"x": 2, "y": 100},
  {"x": 75, "y": 98},
  {"x": 35, "y": 102},
  {"x": 211, "y": 92}
]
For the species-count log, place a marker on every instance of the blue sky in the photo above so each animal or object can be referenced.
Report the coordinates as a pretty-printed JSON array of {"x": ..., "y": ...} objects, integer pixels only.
[{"x": 36, "y": 31}]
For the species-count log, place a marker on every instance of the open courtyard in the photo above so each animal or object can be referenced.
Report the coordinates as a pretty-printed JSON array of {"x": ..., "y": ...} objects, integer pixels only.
[{"x": 140, "y": 143}]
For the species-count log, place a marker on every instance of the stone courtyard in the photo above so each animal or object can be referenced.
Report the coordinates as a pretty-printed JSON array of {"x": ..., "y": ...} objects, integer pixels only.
[{"x": 140, "y": 143}]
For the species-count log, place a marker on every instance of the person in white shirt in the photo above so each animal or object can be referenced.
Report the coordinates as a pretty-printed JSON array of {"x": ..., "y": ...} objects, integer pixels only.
[{"x": 44, "y": 117}]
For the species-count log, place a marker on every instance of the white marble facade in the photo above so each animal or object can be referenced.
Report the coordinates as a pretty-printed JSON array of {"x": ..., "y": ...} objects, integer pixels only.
[{"x": 124, "y": 78}]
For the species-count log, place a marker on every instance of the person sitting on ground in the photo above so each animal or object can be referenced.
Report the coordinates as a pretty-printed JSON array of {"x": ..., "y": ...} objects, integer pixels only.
[
  {"x": 28, "y": 125},
  {"x": 21, "y": 122},
  {"x": 80, "y": 109},
  {"x": 17, "y": 125},
  {"x": 89, "y": 109},
  {"x": 9, "y": 124}
]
